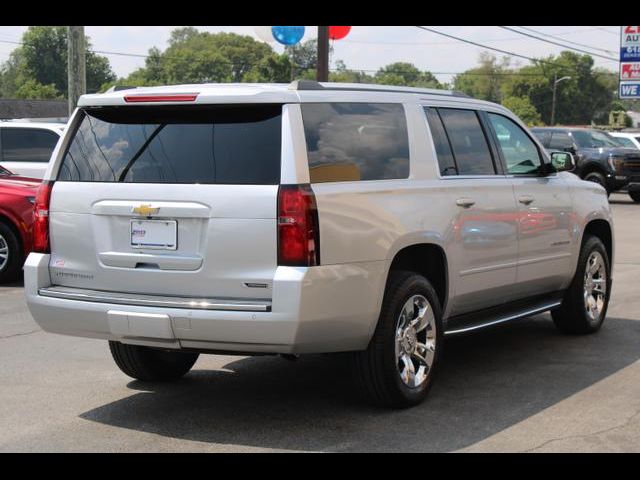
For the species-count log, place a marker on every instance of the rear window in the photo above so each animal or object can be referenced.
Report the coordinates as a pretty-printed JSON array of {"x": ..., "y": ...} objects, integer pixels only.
[
  {"x": 356, "y": 141},
  {"x": 203, "y": 144},
  {"x": 27, "y": 144}
]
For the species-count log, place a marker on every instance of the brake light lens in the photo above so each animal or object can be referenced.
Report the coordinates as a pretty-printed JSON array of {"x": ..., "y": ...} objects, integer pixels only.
[
  {"x": 298, "y": 227},
  {"x": 176, "y": 97},
  {"x": 41, "y": 218}
]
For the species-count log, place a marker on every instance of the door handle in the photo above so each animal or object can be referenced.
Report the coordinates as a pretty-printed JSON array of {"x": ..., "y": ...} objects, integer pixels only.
[
  {"x": 465, "y": 202},
  {"x": 526, "y": 199}
]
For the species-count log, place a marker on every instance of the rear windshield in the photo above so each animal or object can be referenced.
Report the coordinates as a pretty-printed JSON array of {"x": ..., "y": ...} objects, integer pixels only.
[{"x": 203, "y": 144}]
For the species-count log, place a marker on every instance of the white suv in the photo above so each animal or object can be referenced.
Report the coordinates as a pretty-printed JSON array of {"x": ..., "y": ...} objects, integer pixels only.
[
  {"x": 26, "y": 146},
  {"x": 309, "y": 218}
]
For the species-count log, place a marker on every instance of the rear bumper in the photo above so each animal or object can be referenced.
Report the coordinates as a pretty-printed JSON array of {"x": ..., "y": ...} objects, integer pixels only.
[{"x": 321, "y": 309}]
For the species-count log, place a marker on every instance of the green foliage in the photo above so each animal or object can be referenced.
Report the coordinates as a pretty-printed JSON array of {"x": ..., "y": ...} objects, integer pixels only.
[
  {"x": 587, "y": 96},
  {"x": 203, "y": 57},
  {"x": 406, "y": 74},
  {"x": 39, "y": 66},
  {"x": 522, "y": 107},
  {"x": 485, "y": 81}
]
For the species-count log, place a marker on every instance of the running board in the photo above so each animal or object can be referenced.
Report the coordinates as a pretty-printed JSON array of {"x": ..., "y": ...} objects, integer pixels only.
[{"x": 461, "y": 327}]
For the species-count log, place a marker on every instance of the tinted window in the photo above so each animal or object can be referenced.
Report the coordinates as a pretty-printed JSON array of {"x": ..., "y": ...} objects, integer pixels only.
[
  {"x": 443, "y": 148},
  {"x": 27, "y": 144},
  {"x": 560, "y": 141},
  {"x": 520, "y": 153},
  {"x": 356, "y": 141},
  {"x": 468, "y": 142},
  {"x": 594, "y": 139},
  {"x": 625, "y": 142},
  {"x": 543, "y": 136},
  {"x": 209, "y": 144}
]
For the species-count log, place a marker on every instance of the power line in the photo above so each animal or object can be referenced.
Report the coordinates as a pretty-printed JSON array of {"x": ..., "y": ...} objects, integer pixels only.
[
  {"x": 558, "y": 43},
  {"x": 565, "y": 40}
]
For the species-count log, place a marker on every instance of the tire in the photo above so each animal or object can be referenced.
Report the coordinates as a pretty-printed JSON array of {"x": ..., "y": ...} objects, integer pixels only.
[
  {"x": 596, "y": 177},
  {"x": 151, "y": 364},
  {"x": 11, "y": 255},
  {"x": 635, "y": 196},
  {"x": 379, "y": 370},
  {"x": 573, "y": 317}
]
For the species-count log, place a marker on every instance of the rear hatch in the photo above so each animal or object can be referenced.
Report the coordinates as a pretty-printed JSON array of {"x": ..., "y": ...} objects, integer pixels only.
[{"x": 169, "y": 200}]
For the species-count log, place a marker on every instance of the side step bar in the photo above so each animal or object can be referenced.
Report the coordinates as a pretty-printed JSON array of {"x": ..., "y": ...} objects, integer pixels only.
[
  {"x": 117, "y": 298},
  {"x": 506, "y": 317}
]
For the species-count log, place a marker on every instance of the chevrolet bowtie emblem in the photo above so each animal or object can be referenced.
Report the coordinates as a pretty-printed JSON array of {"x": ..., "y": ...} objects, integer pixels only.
[{"x": 145, "y": 210}]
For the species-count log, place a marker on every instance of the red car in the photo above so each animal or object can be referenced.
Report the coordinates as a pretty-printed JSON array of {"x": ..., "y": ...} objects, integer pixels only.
[{"x": 17, "y": 195}]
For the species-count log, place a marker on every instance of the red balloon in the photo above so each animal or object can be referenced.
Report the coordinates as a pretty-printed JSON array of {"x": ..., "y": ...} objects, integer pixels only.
[{"x": 337, "y": 33}]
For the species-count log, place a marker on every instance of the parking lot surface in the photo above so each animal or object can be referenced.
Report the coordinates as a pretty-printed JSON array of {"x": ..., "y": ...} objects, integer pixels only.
[{"x": 520, "y": 387}]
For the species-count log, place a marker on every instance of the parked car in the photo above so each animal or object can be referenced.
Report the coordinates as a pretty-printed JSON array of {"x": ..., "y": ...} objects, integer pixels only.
[
  {"x": 26, "y": 147},
  {"x": 628, "y": 139},
  {"x": 599, "y": 157},
  {"x": 314, "y": 218},
  {"x": 17, "y": 196}
]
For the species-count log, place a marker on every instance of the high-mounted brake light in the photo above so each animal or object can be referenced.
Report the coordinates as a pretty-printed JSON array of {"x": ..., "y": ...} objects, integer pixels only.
[
  {"x": 177, "y": 97},
  {"x": 41, "y": 218},
  {"x": 298, "y": 227}
]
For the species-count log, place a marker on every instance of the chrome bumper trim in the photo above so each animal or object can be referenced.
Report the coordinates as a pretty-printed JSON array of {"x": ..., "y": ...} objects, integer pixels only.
[{"x": 117, "y": 298}]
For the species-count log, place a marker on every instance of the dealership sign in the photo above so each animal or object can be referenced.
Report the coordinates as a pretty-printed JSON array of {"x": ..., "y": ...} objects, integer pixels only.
[
  {"x": 629, "y": 62},
  {"x": 630, "y": 71}
]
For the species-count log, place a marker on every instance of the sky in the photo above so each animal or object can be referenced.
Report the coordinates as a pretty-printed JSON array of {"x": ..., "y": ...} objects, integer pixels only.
[{"x": 367, "y": 47}]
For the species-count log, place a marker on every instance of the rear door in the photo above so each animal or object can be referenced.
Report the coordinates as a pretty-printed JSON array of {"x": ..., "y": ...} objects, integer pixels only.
[
  {"x": 26, "y": 151},
  {"x": 169, "y": 200},
  {"x": 484, "y": 236}
]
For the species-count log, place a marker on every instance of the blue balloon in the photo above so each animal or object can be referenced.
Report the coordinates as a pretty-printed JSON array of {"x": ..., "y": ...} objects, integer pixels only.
[{"x": 288, "y": 35}]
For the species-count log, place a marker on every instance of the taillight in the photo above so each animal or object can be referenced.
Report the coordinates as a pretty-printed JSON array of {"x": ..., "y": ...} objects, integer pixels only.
[
  {"x": 41, "y": 218},
  {"x": 171, "y": 97},
  {"x": 298, "y": 227}
]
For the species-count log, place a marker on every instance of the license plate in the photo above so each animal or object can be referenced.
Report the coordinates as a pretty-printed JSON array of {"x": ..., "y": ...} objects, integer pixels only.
[{"x": 154, "y": 234}]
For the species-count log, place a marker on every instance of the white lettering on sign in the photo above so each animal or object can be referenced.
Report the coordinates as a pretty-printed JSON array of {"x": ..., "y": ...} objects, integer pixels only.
[{"x": 630, "y": 90}]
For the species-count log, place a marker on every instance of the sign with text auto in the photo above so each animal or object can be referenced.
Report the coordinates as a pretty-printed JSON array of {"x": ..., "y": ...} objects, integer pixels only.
[{"x": 629, "y": 62}]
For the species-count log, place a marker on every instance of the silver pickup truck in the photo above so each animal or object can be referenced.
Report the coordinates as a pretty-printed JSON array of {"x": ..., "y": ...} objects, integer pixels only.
[{"x": 309, "y": 218}]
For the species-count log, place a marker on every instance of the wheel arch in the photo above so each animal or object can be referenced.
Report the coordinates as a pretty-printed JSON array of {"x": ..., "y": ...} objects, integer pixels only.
[{"x": 427, "y": 259}]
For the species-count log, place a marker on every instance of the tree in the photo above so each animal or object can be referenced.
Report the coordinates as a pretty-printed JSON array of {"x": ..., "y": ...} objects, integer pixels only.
[
  {"x": 579, "y": 100},
  {"x": 522, "y": 107},
  {"x": 485, "y": 81},
  {"x": 43, "y": 59},
  {"x": 202, "y": 57},
  {"x": 405, "y": 74}
]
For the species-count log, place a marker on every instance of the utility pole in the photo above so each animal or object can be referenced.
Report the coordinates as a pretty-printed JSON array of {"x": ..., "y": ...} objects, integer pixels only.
[
  {"x": 322, "y": 74},
  {"x": 76, "y": 66}
]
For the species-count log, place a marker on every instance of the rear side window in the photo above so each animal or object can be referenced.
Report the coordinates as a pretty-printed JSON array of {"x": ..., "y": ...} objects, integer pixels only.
[
  {"x": 356, "y": 141},
  {"x": 560, "y": 141},
  {"x": 203, "y": 144},
  {"x": 441, "y": 142},
  {"x": 27, "y": 144},
  {"x": 468, "y": 142}
]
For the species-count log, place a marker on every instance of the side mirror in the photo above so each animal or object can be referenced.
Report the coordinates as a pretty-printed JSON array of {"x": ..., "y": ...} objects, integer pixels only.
[{"x": 563, "y": 161}]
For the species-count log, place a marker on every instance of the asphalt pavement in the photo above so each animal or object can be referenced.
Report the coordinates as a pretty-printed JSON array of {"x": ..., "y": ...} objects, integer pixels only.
[{"x": 518, "y": 388}]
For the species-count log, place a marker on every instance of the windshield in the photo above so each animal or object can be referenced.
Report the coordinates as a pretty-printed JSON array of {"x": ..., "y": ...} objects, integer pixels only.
[
  {"x": 594, "y": 139},
  {"x": 4, "y": 171}
]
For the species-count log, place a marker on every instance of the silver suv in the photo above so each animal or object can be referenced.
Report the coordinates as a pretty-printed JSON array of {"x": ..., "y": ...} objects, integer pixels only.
[{"x": 309, "y": 218}]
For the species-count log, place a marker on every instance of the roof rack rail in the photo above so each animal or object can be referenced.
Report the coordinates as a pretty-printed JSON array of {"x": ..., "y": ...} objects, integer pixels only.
[{"x": 301, "y": 85}]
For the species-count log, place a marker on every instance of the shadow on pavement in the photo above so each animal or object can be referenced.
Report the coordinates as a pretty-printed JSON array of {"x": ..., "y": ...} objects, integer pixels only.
[{"x": 488, "y": 381}]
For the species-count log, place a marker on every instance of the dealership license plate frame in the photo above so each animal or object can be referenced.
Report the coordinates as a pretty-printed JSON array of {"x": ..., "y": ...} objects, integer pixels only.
[{"x": 159, "y": 234}]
